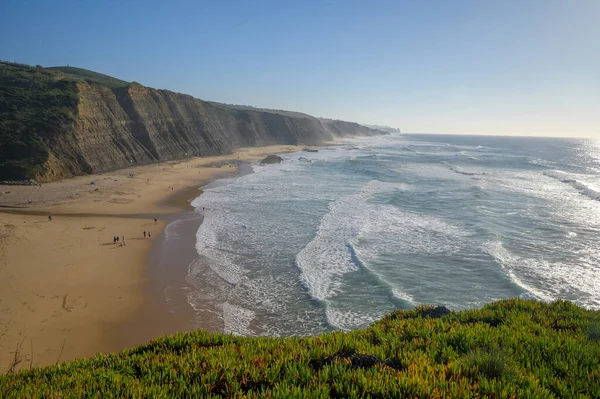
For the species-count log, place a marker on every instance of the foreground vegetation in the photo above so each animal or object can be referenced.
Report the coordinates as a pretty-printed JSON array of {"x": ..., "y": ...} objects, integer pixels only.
[{"x": 512, "y": 348}]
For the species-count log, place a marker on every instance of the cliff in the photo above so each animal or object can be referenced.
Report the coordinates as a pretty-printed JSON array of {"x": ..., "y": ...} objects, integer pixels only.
[{"x": 61, "y": 122}]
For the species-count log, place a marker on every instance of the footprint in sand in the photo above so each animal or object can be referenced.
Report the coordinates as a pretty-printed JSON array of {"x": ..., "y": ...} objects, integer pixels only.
[
  {"x": 74, "y": 304},
  {"x": 121, "y": 201},
  {"x": 27, "y": 306}
]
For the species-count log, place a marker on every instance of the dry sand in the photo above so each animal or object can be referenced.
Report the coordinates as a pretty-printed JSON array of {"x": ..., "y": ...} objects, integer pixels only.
[{"x": 65, "y": 287}]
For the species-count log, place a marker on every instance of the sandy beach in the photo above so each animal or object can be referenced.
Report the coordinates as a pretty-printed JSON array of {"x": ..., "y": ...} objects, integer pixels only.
[{"x": 66, "y": 289}]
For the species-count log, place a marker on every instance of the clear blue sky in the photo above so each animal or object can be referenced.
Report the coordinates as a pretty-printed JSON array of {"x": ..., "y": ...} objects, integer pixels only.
[{"x": 447, "y": 66}]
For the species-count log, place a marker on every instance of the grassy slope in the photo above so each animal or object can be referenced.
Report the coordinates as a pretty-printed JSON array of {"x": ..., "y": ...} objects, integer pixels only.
[
  {"x": 89, "y": 76},
  {"x": 292, "y": 114},
  {"x": 35, "y": 105},
  {"x": 512, "y": 348}
]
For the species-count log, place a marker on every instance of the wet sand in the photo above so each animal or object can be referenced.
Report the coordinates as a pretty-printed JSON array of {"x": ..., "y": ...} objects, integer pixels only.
[{"x": 66, "y": 290}]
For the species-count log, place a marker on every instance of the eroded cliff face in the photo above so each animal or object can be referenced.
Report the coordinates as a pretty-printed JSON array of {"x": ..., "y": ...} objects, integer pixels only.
[{"x": 137, "y": 125}]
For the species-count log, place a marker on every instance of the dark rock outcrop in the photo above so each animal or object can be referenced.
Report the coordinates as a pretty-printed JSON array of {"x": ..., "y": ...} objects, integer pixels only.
[
  {"x": 435, "y": 313},
  {"x": 272, "y": 159}
]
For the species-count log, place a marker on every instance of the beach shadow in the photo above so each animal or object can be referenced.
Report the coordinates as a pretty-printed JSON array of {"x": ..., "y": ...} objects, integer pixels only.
[
  {"x": 138, "y": 238},
  {"x": 105, "y": 244}
]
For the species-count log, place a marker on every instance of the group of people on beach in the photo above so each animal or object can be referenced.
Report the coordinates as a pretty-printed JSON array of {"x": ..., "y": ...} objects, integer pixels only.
[
  {"x": 147, "y": 234},
  {"x": 122, "y": 239}
]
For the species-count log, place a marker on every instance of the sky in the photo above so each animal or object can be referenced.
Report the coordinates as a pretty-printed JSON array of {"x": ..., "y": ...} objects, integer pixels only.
[{"x": 516, "y": 67}]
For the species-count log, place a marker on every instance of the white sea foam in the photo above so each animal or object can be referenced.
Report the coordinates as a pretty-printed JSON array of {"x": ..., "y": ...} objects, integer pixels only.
[
  {"x": 350, "y": 319},
  {"x": 359, "y": 246},
  {"x": 390, "y": 233},
  {"x": 237, "y": 320},
  {"x": 549, "y": 280},
  {"x": 527, "y": 296},
  {"x": 403, "y": 296},
  {"x": 221, "y": 258},
  {"x": 529, "y": 183},
  {"x": 171, "y": 230},
  {"x": 590, "y": 190},
  {"x": 541, "y": 162},
  {"x": 391, "y": 230},
  {"x": 460, "y": 171},
  {"x": 355, "y": 227},
  {"x": 508, "y": 261},
  {"x": 326, "y": 258},
  {"x": 231, "y": 234}
]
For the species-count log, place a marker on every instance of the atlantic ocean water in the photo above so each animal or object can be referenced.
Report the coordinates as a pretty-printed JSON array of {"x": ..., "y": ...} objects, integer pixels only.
[{"x": 335, "y": 239}]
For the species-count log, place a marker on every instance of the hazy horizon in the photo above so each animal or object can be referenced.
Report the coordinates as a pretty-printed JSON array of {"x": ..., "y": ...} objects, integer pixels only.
[{"x": 465, "y": 67}]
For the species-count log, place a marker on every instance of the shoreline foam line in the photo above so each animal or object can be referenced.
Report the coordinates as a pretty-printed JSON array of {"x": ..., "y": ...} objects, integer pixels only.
[{"x": 218, "y": 267}]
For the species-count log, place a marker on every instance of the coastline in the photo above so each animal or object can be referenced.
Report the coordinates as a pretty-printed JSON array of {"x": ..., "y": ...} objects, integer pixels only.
[{"x": 66, "y": 290}]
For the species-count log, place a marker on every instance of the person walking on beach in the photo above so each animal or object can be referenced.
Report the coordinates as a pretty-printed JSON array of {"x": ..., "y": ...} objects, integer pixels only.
[
  {"x": 154, "y": 220},
  {"x": 114, "y": 239},
  {"x": 49, "y": 218},
  {"x": 117, "y": 239},
  {"x": 149, "y": 235},
  {"x": 144, "y": 233},
  {"x": 123, "y": 240}
]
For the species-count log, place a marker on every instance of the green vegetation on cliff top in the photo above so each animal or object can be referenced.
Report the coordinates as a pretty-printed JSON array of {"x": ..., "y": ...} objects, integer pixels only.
[
  {"x": 509, "y": 349},
  {"x": 89, "y": 76}
]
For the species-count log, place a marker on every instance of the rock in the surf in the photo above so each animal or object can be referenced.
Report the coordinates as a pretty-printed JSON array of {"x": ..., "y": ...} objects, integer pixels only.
[{"x": 271, "y": 159}]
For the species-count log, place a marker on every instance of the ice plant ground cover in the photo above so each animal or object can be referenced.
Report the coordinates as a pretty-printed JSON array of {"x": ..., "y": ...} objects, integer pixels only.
[{"x": 511, "y": 348}]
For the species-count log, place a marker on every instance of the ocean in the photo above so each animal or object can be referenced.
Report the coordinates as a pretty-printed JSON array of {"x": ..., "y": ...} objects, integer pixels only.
[{"x": 335, "y": 239}]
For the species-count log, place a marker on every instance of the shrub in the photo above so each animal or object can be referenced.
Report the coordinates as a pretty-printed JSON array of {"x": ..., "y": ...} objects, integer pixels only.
[
  {"x": 592, "y": 331},
  {"x": 491, "y": 364}
]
